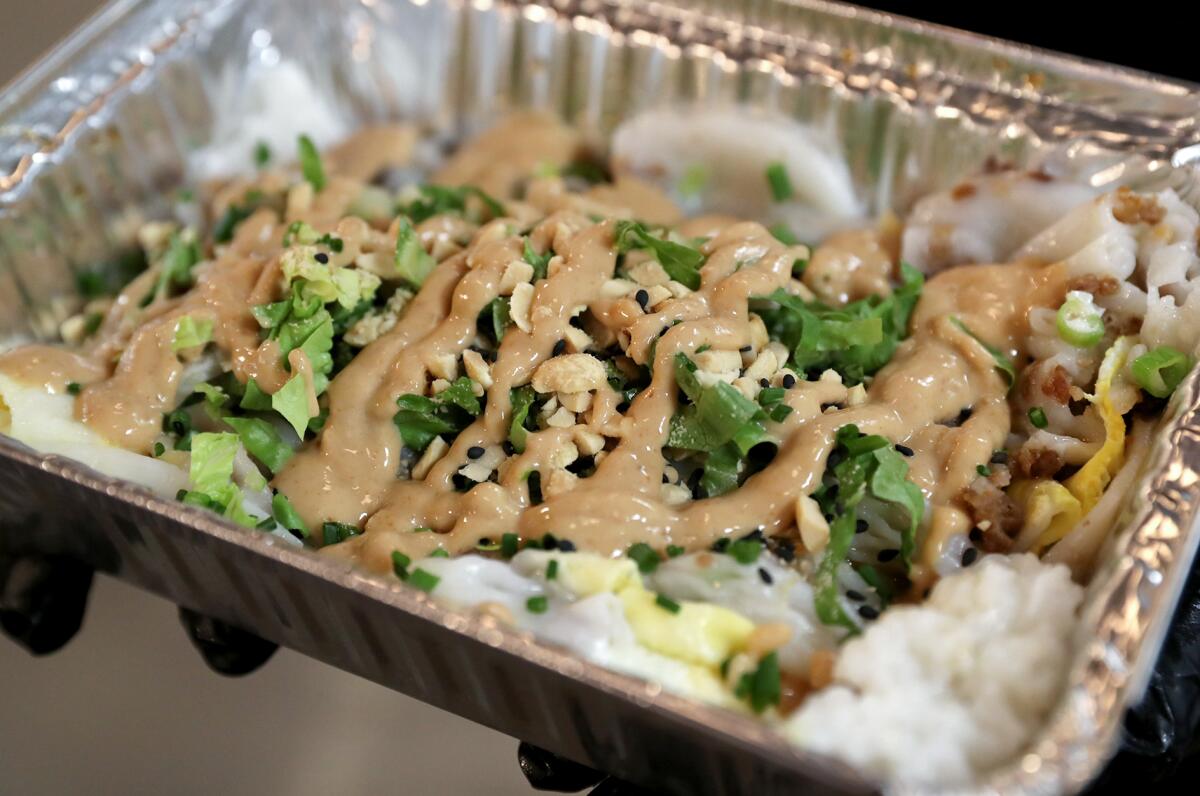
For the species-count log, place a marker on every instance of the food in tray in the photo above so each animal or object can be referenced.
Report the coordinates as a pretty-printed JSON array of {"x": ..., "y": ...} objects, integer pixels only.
[{"x": 853, "y": 488}]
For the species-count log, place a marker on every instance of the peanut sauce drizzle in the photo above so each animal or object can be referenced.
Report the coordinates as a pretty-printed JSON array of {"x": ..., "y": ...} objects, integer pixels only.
[{"x": 350, "y": 472}]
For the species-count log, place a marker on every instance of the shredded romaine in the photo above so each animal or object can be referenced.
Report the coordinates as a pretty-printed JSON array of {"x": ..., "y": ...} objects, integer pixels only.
[{"x": 682, "y": 263}]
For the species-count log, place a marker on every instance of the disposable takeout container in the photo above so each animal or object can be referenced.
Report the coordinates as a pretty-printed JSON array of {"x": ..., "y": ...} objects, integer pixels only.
[{"x": 99, "y": 136}]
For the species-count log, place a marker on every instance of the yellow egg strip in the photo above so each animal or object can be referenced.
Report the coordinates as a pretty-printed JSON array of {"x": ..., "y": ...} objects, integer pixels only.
[{"x": 1089, "y": 483}]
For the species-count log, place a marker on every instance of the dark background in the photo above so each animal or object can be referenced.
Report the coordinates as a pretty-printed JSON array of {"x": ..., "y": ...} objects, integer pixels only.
[{"x": 1156, "y": 37}]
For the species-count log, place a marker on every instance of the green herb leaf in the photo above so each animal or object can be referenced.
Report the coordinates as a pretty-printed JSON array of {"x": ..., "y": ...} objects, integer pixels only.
[
  {"x": 540, "y": 262},
  {"x": 255, "y": 399},
  {"x": 310, "y": 163},
  {"x": 521, "y": 399},
  {"x": 420, "y": 419},
  {"x": 1160, "y": 371},
  {"x": 682, "y": 263},
  {"x": 1003, "y": 364},
  {"x": 779, "y": 182},
  {"x": 436, "y": 200},
  {"x": 856, "y": 340}
]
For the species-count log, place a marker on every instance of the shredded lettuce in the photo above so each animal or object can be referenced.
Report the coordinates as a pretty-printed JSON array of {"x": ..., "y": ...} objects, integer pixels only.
[
  {"x": 175, "y": 267},
  {"x": 255, "y": 399},
  {"x": 211, "y": 477},
  {"x": 540, "y": 262},
  {"x": 286, "y": 515},
  {"x": 860, "y": 465},
  {"x": 855, "y": 340},
  {"x": 291, "y": 401},
  {"x": 191, "y": 333},
  {"x": 682, "y": 263},
  {"x": 413, "y": 263},
  {"x": 346, "y": 286}
]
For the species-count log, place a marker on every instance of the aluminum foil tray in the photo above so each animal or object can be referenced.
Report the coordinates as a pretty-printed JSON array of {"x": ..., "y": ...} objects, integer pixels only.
[{"x": 97, "y": 136}]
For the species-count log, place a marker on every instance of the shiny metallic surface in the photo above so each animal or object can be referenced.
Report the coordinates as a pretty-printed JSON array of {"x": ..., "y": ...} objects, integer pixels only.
[{"x": 97, "y": 137}]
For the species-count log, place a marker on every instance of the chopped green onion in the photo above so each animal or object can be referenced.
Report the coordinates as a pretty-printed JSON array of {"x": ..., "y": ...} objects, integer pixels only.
[
  {"x": 261, "y": 441},
  {"x": 783, "y": 233},
  {"x": 1160, "y": 371},
  {"x": 780, "y": 183},
  {"x": 440, "y": 553},
  {"x": 666, "y": 603},
  {"x": 159, "y": 449},
  {"x": 262, "y": 154},
  {"x": 509, "y": 544},
  {"x": 1037, "y": 416},
  {"x": 286, "y": 515},
  {"x": 552, "y": 569},
  {"x": 310, "y": 163},
  {"x": 425, "y": 581},
  {"x": 537, "y": 605},
  {"x": 761, "y": 688},
  {"x": 400, "y": 564},
  {"x": 644, "y": 556},
  {"x": 674, "y": 551},
  {"x": 335, "y": 532},
  {"x": 422, "y": 529},
  {"x": 74, "y": 388},
  {"x": 983, "y": 470},
  {"x": 745, "y": 551},
  {"x": 1079, "y": 320}
]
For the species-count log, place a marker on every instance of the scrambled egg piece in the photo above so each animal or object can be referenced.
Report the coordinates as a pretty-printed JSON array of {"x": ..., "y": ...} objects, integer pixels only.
[
  {"x": 1050, "y": 508},
  {"x": 1089, "y": 483}
]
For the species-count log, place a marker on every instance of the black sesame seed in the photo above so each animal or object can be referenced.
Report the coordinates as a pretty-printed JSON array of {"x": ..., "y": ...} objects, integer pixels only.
[
  {"x": 559, "y": 347},
  {"x": 474, "y": 452},
  {"x": 322, "y": 257},
  {"x": 581, "y": 465},
  {"x": 765, "y": 576},
  {"x": 461, "y": 482},
  {"x": 785, "y": 549},
  {"x": 508, "y": 448},
  {"x": 861, "y": 526},
  {"x": 969, "y": 556},
  {"x": 868, "y": 612},
  {"x": 756, "y": 535},
  {"x": 789, "y": 381},
  {"x": 764, "y": 383},
  {"x": 665, "y": 479},
  {"x": 576, "y": 321},
  {"x": 976, "y": 535},
  {"x": 886, "y": 555},
  {"x": 857, "y": 596},
  {"x": 904, "y": 450},
  {"x": 746, "y": 349},
  {"x": 642, "y": 298},
  {"x": 535, "y": 488},
  {"x": 999, "y": 457},
  {"x": 566, "y": 545}
]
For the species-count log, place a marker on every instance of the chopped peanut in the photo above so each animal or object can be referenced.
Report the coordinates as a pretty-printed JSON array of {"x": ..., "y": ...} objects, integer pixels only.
[
  {"x": 518, "y": 307},
  {"x": 570, "y": 373},
  {"x": 436, "y": 450},
  {"x": 477, "y": 368}
]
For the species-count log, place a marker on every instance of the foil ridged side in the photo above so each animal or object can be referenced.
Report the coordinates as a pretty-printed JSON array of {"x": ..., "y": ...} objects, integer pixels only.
[{"x": 97, "y": 139}]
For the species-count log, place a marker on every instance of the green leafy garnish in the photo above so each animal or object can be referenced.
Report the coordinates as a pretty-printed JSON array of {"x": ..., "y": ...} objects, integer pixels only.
[
  {"x": 761, "y": 688},
  {"x": 497, "y": 311},
  {"x": 310, "y": 163},
  {"x": 175, "y": 267},
  {"x": 335, "y": 532},
  {"x": 779, "y": 182},
  {"x": 855, "y": 340},
  {"x": 1003, "y": 364},
  {"x": 1160, "y": 371},
  {"x": 420, "y": 419},
  {"x": 540, "y": 262},
  {"x": 866, "y": 465},
  {"x": 682, "y": 263},
  {"x": 413, "y": 263},
  {"x": 522, "y": 399},
  {"x": 254, "y": 399},
  {"x": 436, "y": 200}
]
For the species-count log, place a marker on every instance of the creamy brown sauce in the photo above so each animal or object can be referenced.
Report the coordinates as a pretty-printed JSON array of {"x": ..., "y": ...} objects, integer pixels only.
[{"x": 349, "y": 472}]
